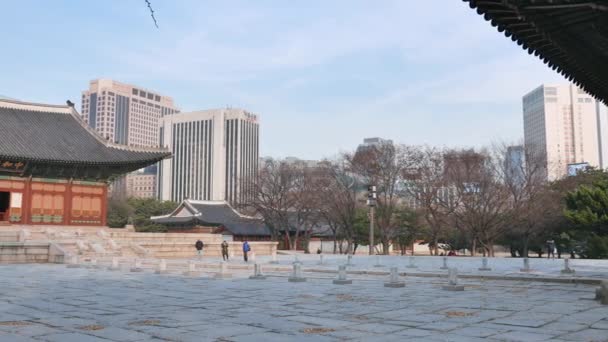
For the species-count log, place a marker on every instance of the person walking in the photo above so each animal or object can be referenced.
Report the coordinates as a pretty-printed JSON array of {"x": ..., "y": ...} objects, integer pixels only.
[
  {"x": 550, "y": 249},
  {"x": 246, "y": 250},
  {"x": 225, "y": 250},
  {"x": 199, "y": 248}
]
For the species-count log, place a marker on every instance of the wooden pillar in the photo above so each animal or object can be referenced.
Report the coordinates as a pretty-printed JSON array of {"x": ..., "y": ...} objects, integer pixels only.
[
  {"x": 104, "y": 205},
  {"x": 67, "y": 204},
  {"x": 26, "y": 202}
]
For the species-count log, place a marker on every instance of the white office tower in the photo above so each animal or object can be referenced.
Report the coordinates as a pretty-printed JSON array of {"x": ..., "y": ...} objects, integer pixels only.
[
  {"x": 566, "y": 126},
  {"x": 215, "y": 155}
]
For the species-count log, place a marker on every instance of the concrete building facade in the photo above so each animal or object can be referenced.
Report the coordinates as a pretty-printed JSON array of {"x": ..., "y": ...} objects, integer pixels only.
[
  {"x": 215, "y": 155},
  {"x": 128, "y": 115},
  {"x": 564, "y": 125}
]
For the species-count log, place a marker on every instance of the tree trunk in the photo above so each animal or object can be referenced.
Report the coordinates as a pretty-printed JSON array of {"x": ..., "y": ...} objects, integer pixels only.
[
  {"x": 474, "y": 247},
  {"x": 436, "y": 244},
  {"x": 385, "y": 247},
  {"x": 526, "y": 242}
]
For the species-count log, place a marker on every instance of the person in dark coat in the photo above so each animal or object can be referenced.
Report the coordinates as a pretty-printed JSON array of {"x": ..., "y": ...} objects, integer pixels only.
[
  {"x": 199, "y": 247},
  {"x": 246, "y": 250},
  {"x": 225, "y": 250}
]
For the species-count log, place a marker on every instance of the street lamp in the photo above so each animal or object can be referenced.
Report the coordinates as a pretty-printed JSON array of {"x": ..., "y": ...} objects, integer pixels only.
[{"x": 371, "y": 202}]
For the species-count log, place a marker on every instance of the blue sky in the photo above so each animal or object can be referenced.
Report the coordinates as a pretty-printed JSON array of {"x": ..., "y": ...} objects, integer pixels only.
[{"x": 322, "y": 74}]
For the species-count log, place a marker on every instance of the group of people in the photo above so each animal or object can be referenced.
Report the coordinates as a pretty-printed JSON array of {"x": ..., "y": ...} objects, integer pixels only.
[{"x": 199, "y": 245}]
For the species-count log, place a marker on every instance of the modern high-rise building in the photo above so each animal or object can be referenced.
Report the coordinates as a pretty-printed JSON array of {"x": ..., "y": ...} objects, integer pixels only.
[
  {"x": 128, "y": 115},
  {"x": 565, "y": 125},
  {"x": 514, "y": 164},
  {"x": 124, "y": 113},
  {"x": 215, "y": 155}
]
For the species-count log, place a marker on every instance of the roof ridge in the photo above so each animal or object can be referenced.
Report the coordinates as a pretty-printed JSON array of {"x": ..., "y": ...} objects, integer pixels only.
[{"x": 34, "y": 106}]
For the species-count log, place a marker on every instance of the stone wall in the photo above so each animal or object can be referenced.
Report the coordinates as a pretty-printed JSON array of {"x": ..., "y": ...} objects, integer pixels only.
[{"x": 24, "y": 252}]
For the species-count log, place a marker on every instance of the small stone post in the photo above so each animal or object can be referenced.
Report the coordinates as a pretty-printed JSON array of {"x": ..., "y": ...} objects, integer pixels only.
[
  {"x": 93, "y": 264},
  {"x": 296, "y": 259},
  {"x": 394, "y": 279},
  {"x": 445, "y": 263},
  {"x": 378, "y": 264},
  {"x": 453, "y": 281},
  {"x": 191, "y": 272},
  {"x": 349, "y": 260},
  {"x": 223, "y": 272},
  {"x": 526, "y": 265},
  {"x": 274, "y": 258},
  {"x": 252, "y": 256},
  {"x": 484, "y": 265},
  {"x": 73, "y": 262},
  {"x": 601, "y": 293},
  {"x": 115, "y": 266},
  {"x": 567, "y": 269},
  {"x": 137, "y": 266},
  {"x": 162, "y": 267},
  {"x": 296, "y": 275},
  {"x": 342, "y": 280},
  {"x": 412, "y": 263},
  {"x": 257, "y": 272},
  {"x": 321, "y": 262}
]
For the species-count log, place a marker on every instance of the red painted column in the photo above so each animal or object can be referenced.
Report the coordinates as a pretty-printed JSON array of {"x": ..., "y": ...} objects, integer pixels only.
[
  {"x": 104, "y": 205},
  {"x": 67, "y": 204},
  {"x": 26, "y": 202}
]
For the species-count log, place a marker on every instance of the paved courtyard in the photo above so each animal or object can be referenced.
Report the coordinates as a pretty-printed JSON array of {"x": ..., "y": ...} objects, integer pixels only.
[{"x": 54, "y": 303}]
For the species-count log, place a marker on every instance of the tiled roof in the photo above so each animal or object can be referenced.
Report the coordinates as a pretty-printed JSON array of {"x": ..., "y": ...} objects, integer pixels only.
[
  {"x": 215, "y": 213},
  {"x": 570, "y": 36},
  {"x": 56, "y": 134}
]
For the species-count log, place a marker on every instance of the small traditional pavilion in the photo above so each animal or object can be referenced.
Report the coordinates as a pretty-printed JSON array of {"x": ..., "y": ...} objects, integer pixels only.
[
  {"x": 54, "y": 169},
  {"x": 216, "y": 217}
]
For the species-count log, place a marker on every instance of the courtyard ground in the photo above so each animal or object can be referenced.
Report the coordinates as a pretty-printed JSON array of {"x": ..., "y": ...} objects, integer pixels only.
[{"x": 55, "y": 303}]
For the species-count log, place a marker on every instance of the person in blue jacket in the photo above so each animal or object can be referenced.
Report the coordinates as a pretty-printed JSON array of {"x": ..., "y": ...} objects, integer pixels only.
[{"x": 246, "y": 250}]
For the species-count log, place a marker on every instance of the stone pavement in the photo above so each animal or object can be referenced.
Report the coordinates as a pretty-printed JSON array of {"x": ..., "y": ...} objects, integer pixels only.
[{"x": 54, "y": 303}]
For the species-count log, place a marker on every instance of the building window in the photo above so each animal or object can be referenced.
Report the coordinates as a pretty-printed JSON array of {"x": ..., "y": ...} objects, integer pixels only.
[{"x": 134, "y": 91}]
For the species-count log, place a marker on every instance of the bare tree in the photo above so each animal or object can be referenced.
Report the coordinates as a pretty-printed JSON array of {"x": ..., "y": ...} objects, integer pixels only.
[
  {"x": 382, "y": 165},
  {"x": 427, "y": 185},
  {"x": 533, "y": 204},
  {"x": 272, "y": 196},
  {"x": 483, "y": 199},
  {"x": 340, "y": 200}
]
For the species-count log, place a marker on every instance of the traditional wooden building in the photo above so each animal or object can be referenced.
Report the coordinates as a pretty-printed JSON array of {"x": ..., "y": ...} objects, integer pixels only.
[
  {"x": 216, "y": 217},
  {"x": 54, "y": 169}
]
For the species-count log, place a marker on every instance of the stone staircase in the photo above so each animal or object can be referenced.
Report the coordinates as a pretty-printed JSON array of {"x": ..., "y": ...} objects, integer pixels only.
[{"x": 102, "y": 242}]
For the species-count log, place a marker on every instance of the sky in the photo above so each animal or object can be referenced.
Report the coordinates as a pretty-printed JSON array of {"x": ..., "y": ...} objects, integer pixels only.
[{"x": 322, "y": 75}]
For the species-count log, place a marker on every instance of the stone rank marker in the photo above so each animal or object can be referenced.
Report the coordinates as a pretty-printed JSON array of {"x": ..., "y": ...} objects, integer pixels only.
[
  {"x": 191, "y": 272},
  {"x": 412, "y": 262},
  {"x": 453, "y": 281},
  {"x": 137, "y": 266},
  {"x": 320, "y": 259},
  {"x": 601, "y": 293},
  {"x": 567, "y": 269},
  {"x": 296, "y": 275},
  {"x": 274, "y": 258},
  {"x": 394, "y": 279},
  {"x": 74, "y": 262},
  {"x": 162, "y": 267},
  {"x": 484, "y": 265},
  {"x": 445, "y": 263},
  {"x": 223, "y": 272},
  {"x": 115, "y": 266},
  {"x": 378, "y": 264},
  {"x": 257, "y": 272},
  {"x": 342, "y": 280}
]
